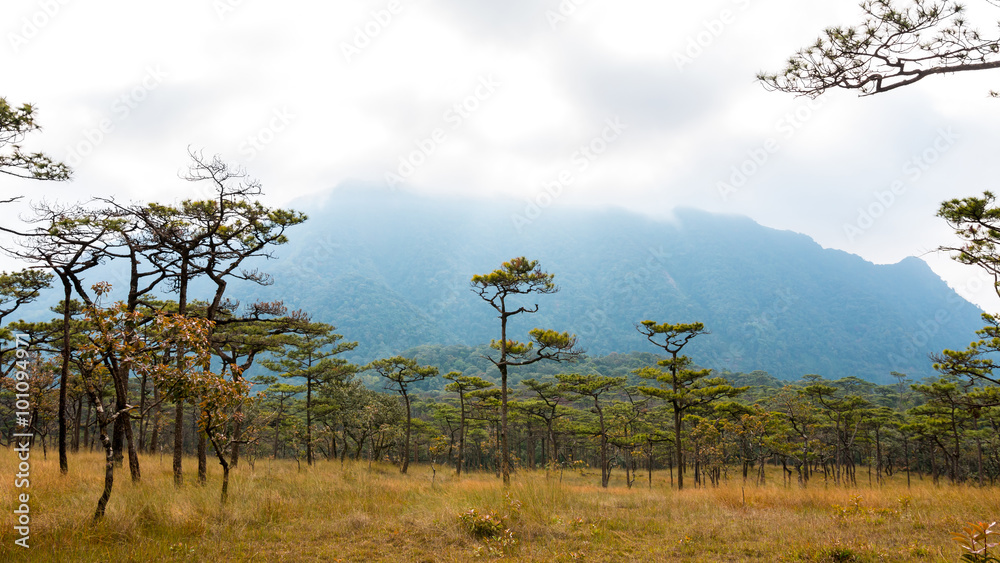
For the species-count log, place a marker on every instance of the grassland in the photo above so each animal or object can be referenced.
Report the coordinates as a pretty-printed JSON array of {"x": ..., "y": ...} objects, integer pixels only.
[{"x": 334, "y": 512}]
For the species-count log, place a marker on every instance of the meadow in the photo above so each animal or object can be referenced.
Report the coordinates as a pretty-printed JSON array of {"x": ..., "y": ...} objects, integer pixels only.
[{"x": 284, "y": 511}]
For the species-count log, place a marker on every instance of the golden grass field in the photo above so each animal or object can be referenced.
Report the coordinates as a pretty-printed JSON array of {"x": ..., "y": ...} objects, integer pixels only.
[{"x": 331, "y": 512}]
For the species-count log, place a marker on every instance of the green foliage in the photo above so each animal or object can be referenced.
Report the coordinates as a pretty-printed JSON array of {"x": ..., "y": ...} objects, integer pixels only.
[
  {"x": 482, "y": 524},
  {"x": 21, "y": 287},
  {"x": 516, "y": 276},
  {"x": 493, "y": 527},
  {"x": 893, "y": 47},
  {"x": 838, "y": 554},
  {"x": 977, "y": 538},
  {"x": 15, "y": 124},
  {"x": 976, "y": 222},
  {"x": 401, "y": 371}
]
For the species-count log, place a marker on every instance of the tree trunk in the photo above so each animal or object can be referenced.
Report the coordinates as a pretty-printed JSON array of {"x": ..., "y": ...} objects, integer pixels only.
[
  {"x": 461, "y": 436},
  {"x": 133, "y": 456},
  {"x": 504, "y": 449},
  {"x": 64, "y": 377},
  {"x": 86, "y": 428},
  {"x": 202, "y": 457},
  {"x": 906, "y": 458},
  {"x": 79, "y": 416},
  {"x": 109, "y": 475},
  {"x": 679, "y": 452},
  {"x": 234, "y": 459},
  {"x": 309, "y": 436},
  {"x": 179, "y": 413},
  {"x": 178, "y": 442},
  {"x": 121, "y": 400},
  {"x": 406, "y": 442},
  {"x": 154, "y": 438},
  {"x": 142, "y": 414}
]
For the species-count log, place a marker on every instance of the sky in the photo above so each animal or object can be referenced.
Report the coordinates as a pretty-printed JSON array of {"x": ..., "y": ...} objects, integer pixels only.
[{"x": 641, "y": 104}]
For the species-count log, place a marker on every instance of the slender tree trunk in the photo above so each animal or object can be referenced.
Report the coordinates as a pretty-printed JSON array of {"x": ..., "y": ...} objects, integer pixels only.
[
  {"x": 906, "y": 458},
  {"x": 649, "y": 465},
  {"x": 179, "y": 413},
  {"x": 628, "y": 475},
  {"x": 79, "y": 415},
  {"x": 406, "y": 442},
  {"x": 531, "y": 449},
  {"x": 64, "y": 376},
  {"x": 109, "y": 475},
  {"x": 202, "y": 455},
  {"x": 934, "y": 470},
  {"x": 679, "y": 452},
  {"x": 121, "y": 400},
  {"x": 461, "y": 436},
  {"x": 309, "y": 438},
  {"x": 504, "y": 447},
  {"x": 554, "y": 459},
  {"x": 234, "y": 459},
  {"x": 178, "y": 442},
  {"x": 605, "y": 468},
  {"x": 979, "y": 457},
  {"x": 154, "y": 438},
  {"x": 878, "y": 457},
  {"x": 86, "y": 429},
  {"x": 277, "y": 427},
  {"x": 133, "y": 456},
  {"x": 225, "y": 483},
  {"x": 142, "y": 414}
]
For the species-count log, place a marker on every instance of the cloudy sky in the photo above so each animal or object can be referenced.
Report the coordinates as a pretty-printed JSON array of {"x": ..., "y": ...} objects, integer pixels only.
[{"x": 642, "y": 104}]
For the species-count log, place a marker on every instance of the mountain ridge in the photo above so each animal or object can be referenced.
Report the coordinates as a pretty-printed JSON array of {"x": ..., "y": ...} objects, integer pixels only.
[{"x": 775, "y": 300}]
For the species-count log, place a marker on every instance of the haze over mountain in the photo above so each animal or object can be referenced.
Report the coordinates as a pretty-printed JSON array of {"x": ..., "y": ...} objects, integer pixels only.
[{"x": 391, "y": 270}]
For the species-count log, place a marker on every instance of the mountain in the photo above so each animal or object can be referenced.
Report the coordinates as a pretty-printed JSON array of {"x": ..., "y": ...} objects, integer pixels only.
[{"x": 392, "y": 269}]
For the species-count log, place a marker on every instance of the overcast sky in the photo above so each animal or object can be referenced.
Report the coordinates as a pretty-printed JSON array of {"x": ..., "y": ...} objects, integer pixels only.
[{"x": 642, "y": 104}]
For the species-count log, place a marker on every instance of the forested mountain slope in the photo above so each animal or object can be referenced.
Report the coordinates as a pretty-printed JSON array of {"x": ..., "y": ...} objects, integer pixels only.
[{"x": 391, "y": 270}]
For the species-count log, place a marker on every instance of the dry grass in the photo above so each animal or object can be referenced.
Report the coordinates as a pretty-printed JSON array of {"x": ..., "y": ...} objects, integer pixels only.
[{"x": 348, "y": 513}]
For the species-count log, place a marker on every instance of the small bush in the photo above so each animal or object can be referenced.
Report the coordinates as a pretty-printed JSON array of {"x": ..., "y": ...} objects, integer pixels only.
[
  {"x": 493, "y": 528},
  {"x": 976, "y": 539},
  {"x": 481, "y": 524},
  {"x": 838, "y": 554}
]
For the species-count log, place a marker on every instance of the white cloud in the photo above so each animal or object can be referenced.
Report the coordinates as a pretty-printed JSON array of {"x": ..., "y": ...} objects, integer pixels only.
[{"x": 358, "y": 111}]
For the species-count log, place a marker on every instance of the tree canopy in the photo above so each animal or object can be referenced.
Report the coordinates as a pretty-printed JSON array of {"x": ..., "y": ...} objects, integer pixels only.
[{"x": 893, "y": 47}]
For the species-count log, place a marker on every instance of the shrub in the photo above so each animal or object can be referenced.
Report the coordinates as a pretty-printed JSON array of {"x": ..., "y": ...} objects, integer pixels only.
[
  {"x": 493, "y": 527},
  {"x": 977, "y": 538}
]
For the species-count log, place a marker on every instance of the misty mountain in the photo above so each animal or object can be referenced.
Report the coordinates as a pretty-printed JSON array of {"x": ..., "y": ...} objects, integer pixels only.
[{"x": 392, "y": 270}]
